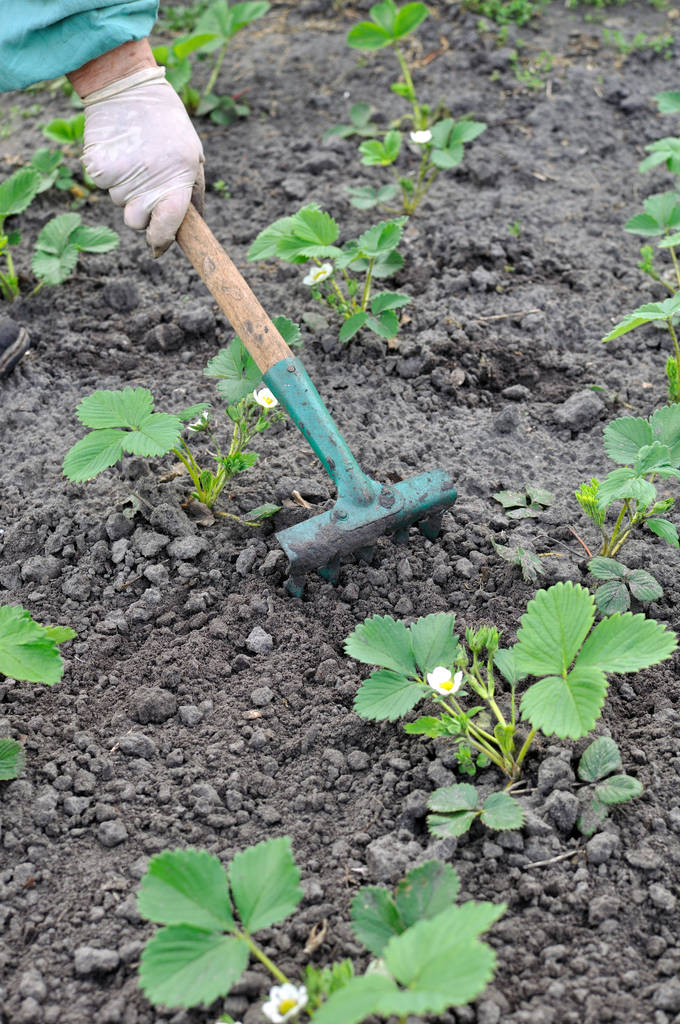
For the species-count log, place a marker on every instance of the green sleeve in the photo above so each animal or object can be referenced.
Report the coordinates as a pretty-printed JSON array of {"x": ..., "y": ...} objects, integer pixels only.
[{"x": 40, "y": 40}]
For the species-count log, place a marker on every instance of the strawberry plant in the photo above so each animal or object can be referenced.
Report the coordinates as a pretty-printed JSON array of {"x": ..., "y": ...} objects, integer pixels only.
[
  {"x": 28, "y": 651},
  {"x": 429, "y": 947},
  {"x": 596, "y": 765},
  {"x": 345, "y": 284},
  {"x": 557, "y": 643}
]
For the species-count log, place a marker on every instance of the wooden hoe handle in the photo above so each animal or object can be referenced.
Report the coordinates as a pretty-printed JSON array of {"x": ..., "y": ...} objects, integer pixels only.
[{"x": 230, "y": 291}]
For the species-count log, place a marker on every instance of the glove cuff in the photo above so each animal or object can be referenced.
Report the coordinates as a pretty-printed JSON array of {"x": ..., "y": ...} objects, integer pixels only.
[{"x": 142, "y": 77}]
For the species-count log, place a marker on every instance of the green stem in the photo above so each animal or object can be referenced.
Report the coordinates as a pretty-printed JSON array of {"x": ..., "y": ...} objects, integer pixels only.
[
  {"x": 264, "y": 959},
  {"x": 417, "y": 115},
  {"x": 216, "y": 70},
  {"x": 609, "y": 546},
  {"x": 497, "y": 712},
  {"x": 675, "y": 263},
  {"x": 676, "y": 348},
  {"x": 366, "y": 294},
  {"x": 525, "y": 747}
]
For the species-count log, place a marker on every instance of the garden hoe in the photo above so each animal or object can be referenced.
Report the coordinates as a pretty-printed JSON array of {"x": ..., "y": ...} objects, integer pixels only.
[{"x": 364, "y": 509}]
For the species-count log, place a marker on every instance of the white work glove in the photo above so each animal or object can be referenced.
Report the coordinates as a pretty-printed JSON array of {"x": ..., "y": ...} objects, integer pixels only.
[{"x": 140, "y": 144}]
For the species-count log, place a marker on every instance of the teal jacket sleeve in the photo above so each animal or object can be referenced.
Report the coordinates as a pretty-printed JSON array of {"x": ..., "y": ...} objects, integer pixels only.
[{"x": 41, "y": 40}]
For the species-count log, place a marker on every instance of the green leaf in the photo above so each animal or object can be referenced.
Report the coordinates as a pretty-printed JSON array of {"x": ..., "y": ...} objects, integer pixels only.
[
  {"x": 55, "y": 236},
  {"x": 384, "y": 641},
  {"x": 388, "y": 300},
  {"x": 553, "y": 628},
  {"x": 186, "y": 887},
  {"x": 88, "y": 238},
  {"x": 47, "y": 163},
  {"x": 368, "y": 36},
  {"x": 93, "y": 454},
  {"x": 193, "y": 411},
  {"x": 668, "y": 102},
  {"x": 59, "y": 634},
  {"x": 265, "y": 511},
  {"x": 375, "y": 918},
  {"x": 267, "y": 241},
  {"x": 607, "y": 568},
  {"x": 445, "y": 826},
  {"x": 649, "y": 313},
  {"x": 505, "y": 662},
  {"x": 624, "y": 437},
  {"x": 365, "y": 197},
  {"x": 12, "y": 759},
  {"x": 156, "y": 435},
  {"x": 433, "y": 642},
  {"x": 28, "y": 651},
  {"x": 566, "y": 707},
  {"x": 427, "y": 725},
  {"x": 186, "y": 966},
  {"x": 441, "y": 961},
  {"x": 352, "y": 325},
  {"x": 18, "y": 191},
  {"x": 624, "y": 483},
  {"x": 310, "y": 224},
  {"x": 386, "y": 325},
  {"x": 592, "y": 817},
  {"x": 643, "y": 586},
  {"x": 54, "y": 270},
  {"x": 618, "y": 790},
  {"x": 665, "y": 424},
  {"x": 64, "y": 130},
  {"x": 387, "y": 695},
  {"x": 182, "y": 48},
  {"x": 237, "y": 372},
  {"x": 626, "y": 643},
  {"x": 381, "y": 238},
  {"x": 662, "y": 212},
  {"x": 612, "y": 597},
  {"x": 501, "y": 812},
  {"x": 449, "y": 799},
  {"x": 289, "y": 331},
  {"x": 265, "y": 883},
  {"x": 665, "y": 529},
  {"x": 426, "y": 891},
  {"x": 599, "y": 759},
  {"x": 447, "y": 159},
  {"x": 355, "y": 1001},
  {"x": 127, "y": 408},
  {"x": 408, "y": 18}
]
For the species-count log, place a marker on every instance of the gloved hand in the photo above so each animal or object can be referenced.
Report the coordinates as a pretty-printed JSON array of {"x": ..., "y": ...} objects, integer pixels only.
[{"x": 141, "y": 146}]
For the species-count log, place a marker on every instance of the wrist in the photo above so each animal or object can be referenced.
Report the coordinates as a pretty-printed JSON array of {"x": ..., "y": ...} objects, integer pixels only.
[{"x": 123, "y": 60}]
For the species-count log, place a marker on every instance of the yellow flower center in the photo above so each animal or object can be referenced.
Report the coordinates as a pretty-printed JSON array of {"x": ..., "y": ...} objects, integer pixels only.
[
  {"x": 448, "y": 685},
  {"x": 286, "y": 1005}
]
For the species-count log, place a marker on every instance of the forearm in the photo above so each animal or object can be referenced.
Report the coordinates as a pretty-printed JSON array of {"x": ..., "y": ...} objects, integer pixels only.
[{"x": 110, "y": 67}]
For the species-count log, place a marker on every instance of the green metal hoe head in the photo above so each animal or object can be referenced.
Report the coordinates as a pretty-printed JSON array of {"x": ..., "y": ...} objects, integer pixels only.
[{"x": 365, "y": 510}]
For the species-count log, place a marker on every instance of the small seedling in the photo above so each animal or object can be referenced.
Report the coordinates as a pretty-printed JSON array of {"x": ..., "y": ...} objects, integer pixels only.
[
  {"x": 124, "y": 423},
  {"x": 213, "y": 30},
  {"x": 619, "y": 583},
  {"x": 68, "y": 132},
  {"x": 557, "y": 643},
  {"x": 528, "y": 561},
  {"x": 210, "y": 916},
  {"x": 597, "y": 763},
  {"x": 309, "y": 236},
  {"x": 30, "y": 652},
  {"x": 507, "y": 12},
  {"x": 526, "y": 504},
  {"x": 222, "y": 189},
  {"x": 59, "y": 243},
  {"x": 668, "y": 102},
  {"x": 644, "y": 449},
  {"x": 438, "y": 141},
  {"x": 456, "y": 807}
]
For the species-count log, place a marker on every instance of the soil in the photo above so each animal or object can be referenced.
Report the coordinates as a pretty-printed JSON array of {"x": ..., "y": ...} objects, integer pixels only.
[{"x": 201, "y": 704}]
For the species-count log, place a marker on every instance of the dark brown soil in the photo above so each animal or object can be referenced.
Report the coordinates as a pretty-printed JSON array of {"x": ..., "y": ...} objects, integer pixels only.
[{"x": 235, "y": 700}]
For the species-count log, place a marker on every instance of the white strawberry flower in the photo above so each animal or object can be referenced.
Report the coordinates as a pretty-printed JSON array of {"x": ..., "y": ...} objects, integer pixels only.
[
  {"x": 265, "y": 398},
  {"x": 202, "y": 423},
  {"x": 421, "y": 138},
  {"x": 318, "y": 274},
  {"x": 442, "y": 682},
  {"x": 285, "y": 1001}
]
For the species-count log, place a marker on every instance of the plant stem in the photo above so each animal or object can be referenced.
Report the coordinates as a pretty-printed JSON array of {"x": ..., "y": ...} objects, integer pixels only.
[
  {"x": 674, "y": 336},
  {"x": 608, "y": 547},
  {"x": 417, "y": 114},
  {"x": 264, "y": 959},
  {"x": 675, "y": 263},
  {"x": 366, "y": 294},
  {"x": 525, "y": 748},
  {"x": 215, "y": 71}
]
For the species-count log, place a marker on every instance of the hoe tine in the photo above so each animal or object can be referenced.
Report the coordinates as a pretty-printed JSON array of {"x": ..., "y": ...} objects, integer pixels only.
[
  {"x": 431, "y": 527},
  {"x": 366, "y": 554},
  {"x": 330, "y": 571},
  {"x": 401, "y": 535}
]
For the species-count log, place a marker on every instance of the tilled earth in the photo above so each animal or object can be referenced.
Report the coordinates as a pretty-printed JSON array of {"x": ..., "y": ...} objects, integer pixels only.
[{"x": 203, "y": 706}]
